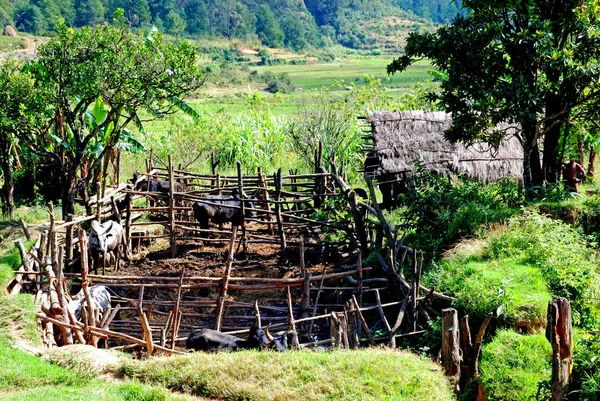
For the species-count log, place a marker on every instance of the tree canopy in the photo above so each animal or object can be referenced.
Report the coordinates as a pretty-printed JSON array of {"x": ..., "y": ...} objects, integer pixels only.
[
  {"x": 528, "y": 63},
  {"x": 94, "y": 82}
]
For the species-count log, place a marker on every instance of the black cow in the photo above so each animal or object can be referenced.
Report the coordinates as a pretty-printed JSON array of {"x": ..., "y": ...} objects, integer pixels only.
[
  {"x": 158, "y": 186},
  {"x": 226, "y": 210},
  {"x": 213, "y": 340},
  {"x": 279, "y": 343}
]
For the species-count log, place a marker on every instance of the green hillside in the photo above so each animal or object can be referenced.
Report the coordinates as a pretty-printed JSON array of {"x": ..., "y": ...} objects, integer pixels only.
[{"x": 298, "y": 25}]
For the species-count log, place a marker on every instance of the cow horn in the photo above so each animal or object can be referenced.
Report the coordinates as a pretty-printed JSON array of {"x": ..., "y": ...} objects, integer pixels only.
[
  {"x": 96, "y": 226},
  {"x": 109, "y": 227},
  {"x": 268, "y": 335}
]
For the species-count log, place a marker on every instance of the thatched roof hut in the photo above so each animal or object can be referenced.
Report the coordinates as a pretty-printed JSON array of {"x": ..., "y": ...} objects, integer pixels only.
[{"x": 402, "y": 137}]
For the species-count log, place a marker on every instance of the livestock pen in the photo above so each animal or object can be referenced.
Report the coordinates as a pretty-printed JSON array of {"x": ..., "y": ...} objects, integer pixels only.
[{"x": 286, "y": 276}]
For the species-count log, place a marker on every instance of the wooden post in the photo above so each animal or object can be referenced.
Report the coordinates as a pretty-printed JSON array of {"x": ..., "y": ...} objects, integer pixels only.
[
  {"x": 69, "y": 244},
  {"x": 25, "y": 229},
  {"x": 262, "y": 182},
  {"x": 319, "y": 180},
  {"x": 257, "y": 322},
  {"x": 559, "y": 333},
  {"x": 278, "y": 185},
  {"x": 363, "y": 322},
  {"x": 339, "y": 329},
  {"x": 417, "y": 266},
  {"x": 172, "y": 233},
  {"x": 359, "y": 223},
  {"x": 451, "y": 347},
  {"x": 98, "y": 206},
  {"x": 118, "y": 168},
  {"x": 305, "y": 283},
  {"x": 242, "y": 206},
  {"x": 314, "y": 312},
  {"x": 359, "y": 280},
  {"x": 225, "y": 282},
  {"x": 398, "y": 323},
  {"x": 292, "y": 327},
  {"x": 90, "y": 319},
  {"x": 129, "y": 199},
  {"x": 352, "y": 321},
  {"x": 176, "y": 314},
  {"x": 115, "y": 210},
  {"x": 477, "y": 345},
  {"x": 466, "y": 346},
  {"x": 147, "y": 330},
  {"x": 381, "y": 314}
]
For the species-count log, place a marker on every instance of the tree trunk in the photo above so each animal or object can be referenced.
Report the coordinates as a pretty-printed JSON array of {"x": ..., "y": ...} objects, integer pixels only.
[
  {"x": 68, "y": 194},
  {"x": 551, "y": 165},
  {"x": 7, "y": 192},
  {"x": 537, "y": 173},
  {"x": 591, "y": 162},
  {"x": 580, "y": 151},
  {"x": 556, "y": 120}
]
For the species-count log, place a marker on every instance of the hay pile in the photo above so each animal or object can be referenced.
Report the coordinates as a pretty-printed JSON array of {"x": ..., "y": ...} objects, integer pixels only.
[
  {"x": 400, "y": 138},
  {"x": 9, "y": 31}
]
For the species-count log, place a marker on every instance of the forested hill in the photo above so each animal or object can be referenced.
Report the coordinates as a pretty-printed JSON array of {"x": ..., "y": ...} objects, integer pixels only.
[{"x": 293, "y": 23}]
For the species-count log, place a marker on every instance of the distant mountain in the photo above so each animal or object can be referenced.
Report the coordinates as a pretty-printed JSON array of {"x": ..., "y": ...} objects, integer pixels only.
[{"x": 296, "y": 24}]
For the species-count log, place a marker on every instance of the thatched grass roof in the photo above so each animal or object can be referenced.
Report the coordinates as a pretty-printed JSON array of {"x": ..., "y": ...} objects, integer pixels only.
[{"x": 402, "y": 137}]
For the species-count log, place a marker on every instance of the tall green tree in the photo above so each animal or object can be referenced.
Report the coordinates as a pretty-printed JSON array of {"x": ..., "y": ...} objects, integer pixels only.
[
  {"x": 21, "y": 110},
  {"x": 528, "y": 63},
  {"x": 295, "y": 34},
  {"x": 174, "y": 23},
  {"x": 138, "y": 12},
  {"x": 268, "y": 29},
  {"x": 89, "y": 12},
  {"x": 128, "y": 72},
  {"x": 31, "y": 19}
]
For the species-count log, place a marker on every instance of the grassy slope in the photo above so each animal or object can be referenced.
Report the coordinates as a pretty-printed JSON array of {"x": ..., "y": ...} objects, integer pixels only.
[{"x": 376, "y": 374}]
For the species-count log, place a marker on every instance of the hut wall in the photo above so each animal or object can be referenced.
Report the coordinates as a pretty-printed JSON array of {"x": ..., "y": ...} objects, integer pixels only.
[{"x": 400, "y": 138}]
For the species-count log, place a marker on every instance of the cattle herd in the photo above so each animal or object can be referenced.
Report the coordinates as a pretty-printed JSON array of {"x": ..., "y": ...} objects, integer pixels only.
[{"x": 108, "y": 239}]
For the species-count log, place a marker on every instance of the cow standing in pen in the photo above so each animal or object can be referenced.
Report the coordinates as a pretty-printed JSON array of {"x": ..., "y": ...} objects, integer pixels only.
[
  {"x": 221, "y": 209},
  {"x": 107, "y": 238},
  {"x": 156, "y": 186}
]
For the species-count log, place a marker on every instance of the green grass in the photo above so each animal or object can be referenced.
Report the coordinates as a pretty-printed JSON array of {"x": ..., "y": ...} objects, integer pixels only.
[
  {"x": 516, "y": 291},
  {"x": 513, "y": 365},
  {"x": 303, "y": 375},
  {"x": 519, "y": 268},
  {"x": 351, "y": 71}
]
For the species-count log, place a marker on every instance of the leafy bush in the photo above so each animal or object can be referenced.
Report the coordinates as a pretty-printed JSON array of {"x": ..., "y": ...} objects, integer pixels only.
[
  {"x": 516, "y": 292},
  {"x": 565, "y": 257},
  {"x": 586, "y": 368},
  {"x": 518, "y": 268},
  {"x": 513, "y": 366},
  {"x": 437, "y": 211}
]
